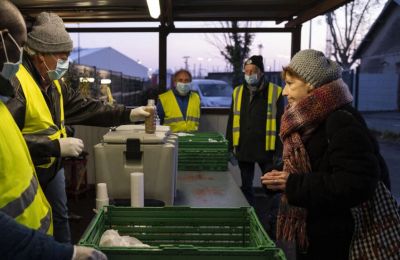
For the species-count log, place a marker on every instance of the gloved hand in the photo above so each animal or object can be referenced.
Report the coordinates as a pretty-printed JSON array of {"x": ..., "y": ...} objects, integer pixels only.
[
  {"x": 87, "y": 253},
  {"x": 70, "y": 146},
  {"x": 138, "y": 114}
]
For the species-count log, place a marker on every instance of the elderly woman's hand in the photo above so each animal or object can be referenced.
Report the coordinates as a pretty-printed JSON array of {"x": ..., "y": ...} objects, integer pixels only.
[{"x": 275, "y": 180}]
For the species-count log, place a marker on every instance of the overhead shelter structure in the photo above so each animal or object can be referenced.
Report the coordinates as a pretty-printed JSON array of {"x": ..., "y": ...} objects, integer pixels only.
[{"x": 291, "y": 13}]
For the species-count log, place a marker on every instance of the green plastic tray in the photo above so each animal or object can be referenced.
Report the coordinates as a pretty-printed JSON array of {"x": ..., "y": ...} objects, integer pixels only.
[{"x": 184, "y": 233}]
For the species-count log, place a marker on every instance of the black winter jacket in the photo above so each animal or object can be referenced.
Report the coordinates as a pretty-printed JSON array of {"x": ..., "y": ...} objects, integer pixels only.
[
  {"x": 77, "y": 111},
  {"x": 345, "y": 170},
  {"x": 253, "y": 116}
]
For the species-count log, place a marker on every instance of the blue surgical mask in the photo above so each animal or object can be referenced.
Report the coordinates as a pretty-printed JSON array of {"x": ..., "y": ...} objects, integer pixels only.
[
  {"x": 62, "y": 67},
  {"x": 4, "y": 98},
  {"x": 183, "y": 88},
  {"x": 10, "y": 68},
  {"x": 251, "y": 79}
]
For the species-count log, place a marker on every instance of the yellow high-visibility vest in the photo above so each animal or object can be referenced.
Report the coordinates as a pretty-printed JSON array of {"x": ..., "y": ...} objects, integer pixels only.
[
  {"x": 38, "y": 119},
  {"x": 274, "y": 93},
  {"x": 173, "y": 115},
  {"x": 21, "y": 195}
]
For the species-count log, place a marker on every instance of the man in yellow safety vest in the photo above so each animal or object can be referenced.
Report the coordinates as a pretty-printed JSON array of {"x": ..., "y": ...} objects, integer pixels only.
[
  {"x": 25, "y": 214},
  {"x": 253, "y": 124},
  {"x": 179, "y": 107},
  {"x": 43, "y": 106}
]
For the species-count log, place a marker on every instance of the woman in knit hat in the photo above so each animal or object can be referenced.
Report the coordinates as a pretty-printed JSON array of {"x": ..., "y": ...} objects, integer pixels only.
[{"x": 331, "y": 162}]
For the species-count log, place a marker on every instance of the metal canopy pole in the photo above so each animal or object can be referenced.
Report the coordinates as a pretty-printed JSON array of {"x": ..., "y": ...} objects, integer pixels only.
[
  {"x": 296, "y": 40},
  {"x": 162, "y": 58}
]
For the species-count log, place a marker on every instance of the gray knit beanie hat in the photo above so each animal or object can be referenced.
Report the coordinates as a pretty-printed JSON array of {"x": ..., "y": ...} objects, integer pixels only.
[
  {"x": 256, "y": 60},
  {"x": 315, "y": 68},
  {"x": 48, "y": 35}
]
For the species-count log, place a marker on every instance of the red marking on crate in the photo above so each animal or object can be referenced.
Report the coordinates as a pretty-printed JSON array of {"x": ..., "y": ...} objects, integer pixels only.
[
  {"x": 196, "y": 177},
  {"x": 207, "y": 191}
]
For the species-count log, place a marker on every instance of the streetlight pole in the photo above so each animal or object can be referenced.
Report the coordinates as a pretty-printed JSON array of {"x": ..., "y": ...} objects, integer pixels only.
[
  {"x": 260, "y": 47},
  {"x": 186, "y": 62},
  {"x": 200, "y": 59},
  {"x": 309, "y": 40}
]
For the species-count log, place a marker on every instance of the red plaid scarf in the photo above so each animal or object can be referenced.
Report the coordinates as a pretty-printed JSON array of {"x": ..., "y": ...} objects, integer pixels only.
[{"x": 298, "y": 122}]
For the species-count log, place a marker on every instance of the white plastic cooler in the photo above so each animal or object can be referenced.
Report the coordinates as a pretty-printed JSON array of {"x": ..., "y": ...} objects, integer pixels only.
[{"x": 129, "y": 149}]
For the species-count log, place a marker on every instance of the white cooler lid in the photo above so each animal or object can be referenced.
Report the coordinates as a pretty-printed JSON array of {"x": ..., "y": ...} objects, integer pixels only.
[
  {"x": 160, "y": 128},
  {"x": 123, "y": 132}
]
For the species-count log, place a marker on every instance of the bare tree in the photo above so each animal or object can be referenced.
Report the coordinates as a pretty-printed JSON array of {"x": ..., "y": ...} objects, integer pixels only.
[
  {"x": 347, "y": 26},
  {"x": 235, "y": 48}
]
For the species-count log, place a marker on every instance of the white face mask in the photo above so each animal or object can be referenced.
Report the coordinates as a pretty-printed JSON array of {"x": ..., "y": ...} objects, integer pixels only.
[
  {"x": 252, "y": 79},
  {"x": 183, "y": 88},
  {"x": 59, "y": 71},
  {"x": 9, "y": 68}
]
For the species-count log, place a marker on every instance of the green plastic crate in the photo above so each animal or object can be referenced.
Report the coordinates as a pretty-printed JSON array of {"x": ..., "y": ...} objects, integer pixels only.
[
  {"x": 184, "y": 233},
  {"x": 213, "y": 168},
  {"x": 197, "y": 153},
  {"x": 203, "y": 139}
]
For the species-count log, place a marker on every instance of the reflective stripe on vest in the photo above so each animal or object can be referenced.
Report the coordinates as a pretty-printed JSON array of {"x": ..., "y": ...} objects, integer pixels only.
[
  {"x": 173, "y": 115},
  {"x": 15, "y": 207},
  {"x": 274, "y": 93},
  {"x": 38, "y": 119},
  {"x": 21, "y": 195}
]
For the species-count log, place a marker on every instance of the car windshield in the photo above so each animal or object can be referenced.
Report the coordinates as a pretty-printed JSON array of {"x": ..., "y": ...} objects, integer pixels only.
[{"x": 215, "y": 90}]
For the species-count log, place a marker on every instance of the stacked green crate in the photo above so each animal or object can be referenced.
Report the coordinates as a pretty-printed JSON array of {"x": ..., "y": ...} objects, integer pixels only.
[
  {"x": 206, "y": 151},
  {"x": 182, "y": 233}
]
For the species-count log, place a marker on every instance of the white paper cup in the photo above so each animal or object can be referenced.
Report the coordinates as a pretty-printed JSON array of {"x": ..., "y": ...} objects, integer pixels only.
[
  {"x": 102, "y": 191},
  {"x": 137, "y": 189},
  {"x": 100, "y": 203}
]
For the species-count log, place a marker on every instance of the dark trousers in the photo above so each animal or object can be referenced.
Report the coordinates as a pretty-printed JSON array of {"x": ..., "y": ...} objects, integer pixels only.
[
  {"x": 273, "y": 198},
  {"x": 247, "y": 176}
]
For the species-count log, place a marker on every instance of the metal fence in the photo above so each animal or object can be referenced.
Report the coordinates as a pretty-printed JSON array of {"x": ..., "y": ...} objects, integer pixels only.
[{"x": 125, "y": 89}]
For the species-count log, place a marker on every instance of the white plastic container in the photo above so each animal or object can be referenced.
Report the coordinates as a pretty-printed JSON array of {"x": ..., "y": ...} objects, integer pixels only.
[{"x": 155, "y": 155}]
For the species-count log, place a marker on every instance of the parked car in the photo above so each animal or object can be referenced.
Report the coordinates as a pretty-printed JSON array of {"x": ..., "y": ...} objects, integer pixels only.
[{"x": 213, "y": 93}]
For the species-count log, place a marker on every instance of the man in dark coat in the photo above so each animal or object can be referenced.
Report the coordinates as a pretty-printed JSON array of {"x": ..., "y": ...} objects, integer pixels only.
[{"x": 251, "y": 108}]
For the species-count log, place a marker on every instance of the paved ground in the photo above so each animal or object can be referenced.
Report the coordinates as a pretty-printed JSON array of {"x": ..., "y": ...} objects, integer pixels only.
[
  {"x": 388, "y": 122},
  {"x": 383, "y": 121}
]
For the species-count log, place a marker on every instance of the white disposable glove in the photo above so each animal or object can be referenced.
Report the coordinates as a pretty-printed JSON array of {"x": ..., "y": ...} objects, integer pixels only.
[
  {"x": 70, "y": 146},
  {"x": 138, "y": 114},
  {"x": 87, "y": 253}
]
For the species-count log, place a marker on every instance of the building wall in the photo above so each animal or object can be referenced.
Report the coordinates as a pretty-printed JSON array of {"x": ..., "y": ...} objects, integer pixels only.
[
  {"x": 377, "y": 92},
  {"x": 378, "y": 83},
  {"x": 379, "y": 77}
]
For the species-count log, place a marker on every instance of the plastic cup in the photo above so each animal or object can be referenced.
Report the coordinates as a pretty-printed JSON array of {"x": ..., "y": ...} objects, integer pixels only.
[
  {"x": 137, "y": 189},
  {"x": 100, "y": 203},
  {"x": 102, "y": 191}
]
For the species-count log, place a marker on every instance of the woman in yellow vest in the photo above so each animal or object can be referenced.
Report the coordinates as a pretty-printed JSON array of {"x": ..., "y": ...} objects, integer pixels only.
[
  {"x": 179, "y": 107},
  {"x": 253, "y": 125}
]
